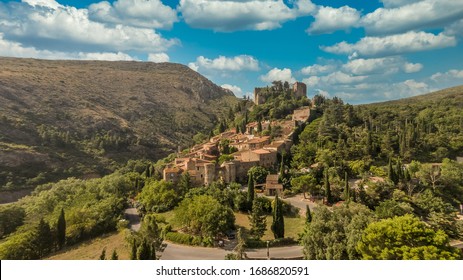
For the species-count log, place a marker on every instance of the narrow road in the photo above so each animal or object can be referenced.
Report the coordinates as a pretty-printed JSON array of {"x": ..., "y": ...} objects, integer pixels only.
[
  {"x": 182, "y": 252},
  {"x": 131, "y": 214}
]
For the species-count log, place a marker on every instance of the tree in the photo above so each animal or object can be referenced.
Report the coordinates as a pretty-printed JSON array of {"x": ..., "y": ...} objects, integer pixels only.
[
  {"x": 328, "y": 196},
  {"x": 133, "y": 251},
  {"x": 240, "y": 246},
  {"x": 250, "y": 190},
  {"x": 61, "y": 229},
  {"x": 103, "y": 254},
  {"x": 405, "y": 238},
  {"x": 204, "y": 215},
  {"x": 151, "y": 231},
  {"x": 333, "y": 233},
  {"x": 42, "y": 239},
  {"x": 258, "y": 173},
  {"x": 346, "y": 188},
  {"x": 114, "y": 255},
  {"x": 143, "y": 251},
  {"x": 257, "y": 219},
  {"x": 308, "y": 215},
  {"x": 278, "y": 224},
  {"x": 305, "y": 183}
]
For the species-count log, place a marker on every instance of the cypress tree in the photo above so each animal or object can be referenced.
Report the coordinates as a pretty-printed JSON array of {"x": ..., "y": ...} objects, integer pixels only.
[
  {"x": 61, "y": 229},
  {"x": 114, "y": 255},
  {"x": 133, "y": 252},
  {"x": 308, "y": 215},
  {"x": 346, "y": 188},
  {"x": 391, "y": 173},
  {"x": 259, "y": 126},
  {"x": 143, "y": 251},
  {"x": 257, "y": 220},
  {"x": 250, "y": 191},
  {"x": 103, "y": 254},
  {"x": 282, "y": 169},
  {"x": 329, "y": 199},
  {"x": 278, "y": 224},
  {"x": 42, "y": 241}
]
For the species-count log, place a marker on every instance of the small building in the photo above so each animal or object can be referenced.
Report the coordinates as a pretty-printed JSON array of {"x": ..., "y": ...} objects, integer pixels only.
[
  {"x": 172, "y": 174},
  {"x": 272, "y": 187},
  {"x": 301, "y": 115},
  {"x": 258, "y": 142}
]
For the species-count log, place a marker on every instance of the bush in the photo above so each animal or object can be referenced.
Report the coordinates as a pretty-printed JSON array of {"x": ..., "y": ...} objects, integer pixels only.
[{"x": 179, "y": 238}]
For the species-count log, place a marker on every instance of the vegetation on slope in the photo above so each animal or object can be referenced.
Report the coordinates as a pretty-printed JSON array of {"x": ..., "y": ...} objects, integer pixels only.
[{"x": 85, "y": 118}]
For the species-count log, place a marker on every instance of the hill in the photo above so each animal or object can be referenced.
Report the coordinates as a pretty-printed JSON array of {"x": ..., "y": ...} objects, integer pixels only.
[
  {"x": 84, "y": 118},
  {"x": 453, "y": 95}
]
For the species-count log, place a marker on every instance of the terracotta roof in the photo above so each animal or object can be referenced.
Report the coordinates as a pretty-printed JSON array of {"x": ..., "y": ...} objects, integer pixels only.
[
  {"x": 262, "y": 152},
  {"x": 172, "y": 170},
  {"x": 258, "y": 140}
]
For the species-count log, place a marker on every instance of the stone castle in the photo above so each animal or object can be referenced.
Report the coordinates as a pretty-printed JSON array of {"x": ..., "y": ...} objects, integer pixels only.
[{"x": 260, "y": 94}]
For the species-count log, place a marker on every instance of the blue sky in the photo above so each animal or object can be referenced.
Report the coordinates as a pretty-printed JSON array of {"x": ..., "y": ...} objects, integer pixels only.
[{"x": 361, "y": 51}]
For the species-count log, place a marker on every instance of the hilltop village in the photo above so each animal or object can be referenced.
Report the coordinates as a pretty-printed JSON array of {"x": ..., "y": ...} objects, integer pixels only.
[{"x": 250, "y": 148}]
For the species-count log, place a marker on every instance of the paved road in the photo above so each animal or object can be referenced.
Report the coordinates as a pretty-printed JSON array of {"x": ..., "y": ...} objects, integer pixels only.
[
  {"x": 131, "y": 214},
  {"x": 181, "y": 252}
]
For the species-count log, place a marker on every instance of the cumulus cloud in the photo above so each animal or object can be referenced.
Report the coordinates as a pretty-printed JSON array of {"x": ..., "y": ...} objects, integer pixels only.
[
  {"x": 317, "y": 69},
  {"x": 158, "y": 57},
  {"x": 276, "y": 74},
  {"x": 138, "y": 13},
  {"x": 383, "y": 66},
  {"x": 222, "y": 63},
  {"x": 8, "y": 48},
  {"x": 64, "y": 28},
  {"x": 413, "y": 15},
  {"x": 455, "y": 28},
  {"x": 235, "y": 89},
  {"x": 397, "y": 3},
  {"x": 450, "y": 75},
  {"x": 232, "y": 15},
  {"x": 393, "y": 45},
  {"x": 328, "y": 19}
]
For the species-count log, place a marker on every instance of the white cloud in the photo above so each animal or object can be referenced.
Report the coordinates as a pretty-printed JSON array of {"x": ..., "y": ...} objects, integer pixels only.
[
  {"x": 450, "y": 75},
  {"x": 397, "y": 3},
  {"x": 311, "y": 81},
  {"x": 382, "y": 66},
  {"x": 235, "y": 89},
  {"x": 393, "y": 44},
  {"x": 8, "y": 48},
  {"x": 414, "y": 15},
  {"x": 66, "y": 28},
  {"x": 342, "y": 78},
  {"x": 138, "y": 13},
  {"x": 158, "y": 57},
  {"x": 284, "y": 75},
  {"x": 455, "y": 28},
  {"x": 412, "y": 67},
  {"x": 43, "y": 3},
  {"x": 317, "y": 69},
  {"x": 234, "y": 15},
  {"x": 328, "y": 19},
  {"x": 222, "y": 63}
]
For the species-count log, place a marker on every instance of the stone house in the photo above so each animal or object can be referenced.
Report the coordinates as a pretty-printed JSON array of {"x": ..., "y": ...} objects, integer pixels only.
[{"x": 272, "y": 187}]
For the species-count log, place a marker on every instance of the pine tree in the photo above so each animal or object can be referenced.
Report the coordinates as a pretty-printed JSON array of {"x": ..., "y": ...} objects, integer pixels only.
[
  {"x": 250, "y": 191},
  {"x": 103, "y": 254},
  {"x": 257, "y": 220},
  {"x": 278, "y": 224},
  {"x": 61, "y": 229},
  {"x": 114, "y": 255},
  {"x": 328, "y": 196},
  {"x": 308, "y": 215}
]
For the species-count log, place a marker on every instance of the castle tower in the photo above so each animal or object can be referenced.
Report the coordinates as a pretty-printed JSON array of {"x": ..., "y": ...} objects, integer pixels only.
[
  {"x": 300, "y": 89},
  {"x": 258, "y": 97}
]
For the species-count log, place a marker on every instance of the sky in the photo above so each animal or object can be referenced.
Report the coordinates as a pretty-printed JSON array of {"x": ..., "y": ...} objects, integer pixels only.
[{"x": 361, "y": 51}]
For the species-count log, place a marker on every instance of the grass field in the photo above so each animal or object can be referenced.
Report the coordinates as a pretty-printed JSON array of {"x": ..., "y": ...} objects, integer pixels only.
[
  {"x": 293, "y": 225},
  {"x": 91, "y": 250}
]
